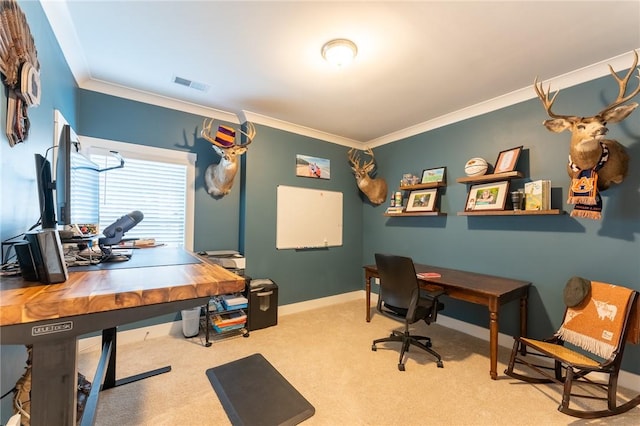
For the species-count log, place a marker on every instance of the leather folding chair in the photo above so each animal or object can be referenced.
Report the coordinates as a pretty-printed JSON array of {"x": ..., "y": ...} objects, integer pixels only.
[{"x": 591, "y": 340}]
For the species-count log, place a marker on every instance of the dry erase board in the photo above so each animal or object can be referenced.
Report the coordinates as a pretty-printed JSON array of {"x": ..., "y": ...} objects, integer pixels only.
[{"x": 308, "y": 218}]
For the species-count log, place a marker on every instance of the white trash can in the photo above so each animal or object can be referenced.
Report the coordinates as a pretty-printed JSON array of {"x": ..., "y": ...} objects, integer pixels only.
[{"x": 191, "y": 322}]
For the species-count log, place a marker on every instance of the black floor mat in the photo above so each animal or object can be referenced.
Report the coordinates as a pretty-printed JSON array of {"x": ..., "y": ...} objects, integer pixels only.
[{"x": 254, "y": 393}]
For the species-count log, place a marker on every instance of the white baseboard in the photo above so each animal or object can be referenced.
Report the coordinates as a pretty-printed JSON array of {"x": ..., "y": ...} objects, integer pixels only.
[{"x": 625, "y": 379}]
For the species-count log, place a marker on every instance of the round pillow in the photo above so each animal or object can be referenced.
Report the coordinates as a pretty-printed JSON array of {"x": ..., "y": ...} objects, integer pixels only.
[
  {"x": 576, "y": 290},
  {"x": 476, "y": 167}
]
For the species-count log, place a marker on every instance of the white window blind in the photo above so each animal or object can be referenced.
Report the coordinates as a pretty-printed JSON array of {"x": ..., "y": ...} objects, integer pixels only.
[{"x": 158, "y": 182}]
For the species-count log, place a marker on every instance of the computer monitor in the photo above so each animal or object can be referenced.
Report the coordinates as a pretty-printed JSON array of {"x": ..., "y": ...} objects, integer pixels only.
[
  {"x": 77, "y": 182},
  {"x": 45, "y": 192}
]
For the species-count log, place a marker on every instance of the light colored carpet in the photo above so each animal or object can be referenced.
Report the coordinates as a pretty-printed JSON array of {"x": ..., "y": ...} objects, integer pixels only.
[{"x": 326, "y": 355}]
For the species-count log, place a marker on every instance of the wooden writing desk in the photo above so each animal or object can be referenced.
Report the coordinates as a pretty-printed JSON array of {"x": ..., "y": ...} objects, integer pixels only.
[
  {"x": 482, "y": 289},
  {"x": 51, "y": 317}
]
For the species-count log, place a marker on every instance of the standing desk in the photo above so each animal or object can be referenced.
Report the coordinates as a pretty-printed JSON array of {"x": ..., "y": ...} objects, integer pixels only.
[
  {"x": 487, "y": 290},
  {"x": 51, "y": 317}
]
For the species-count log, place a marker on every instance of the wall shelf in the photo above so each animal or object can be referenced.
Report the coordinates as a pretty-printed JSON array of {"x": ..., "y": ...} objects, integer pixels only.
[
  {"x": 422, "y": 186},
  {"x": 405, "y": 214},
  {"x": 512, "y": 212},
  {"x": 491, "y": 178}
]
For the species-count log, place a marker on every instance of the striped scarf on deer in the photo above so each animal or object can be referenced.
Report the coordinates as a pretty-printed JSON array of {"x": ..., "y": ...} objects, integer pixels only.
[{"x": 584, "y": 189}]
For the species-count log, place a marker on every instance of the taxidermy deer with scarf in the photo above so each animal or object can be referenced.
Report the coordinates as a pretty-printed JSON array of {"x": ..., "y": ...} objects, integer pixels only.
[{"x": 595, "y": 163}]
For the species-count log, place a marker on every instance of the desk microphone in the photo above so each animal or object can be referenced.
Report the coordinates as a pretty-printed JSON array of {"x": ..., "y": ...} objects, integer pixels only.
[{"x": 114, "y": 232}]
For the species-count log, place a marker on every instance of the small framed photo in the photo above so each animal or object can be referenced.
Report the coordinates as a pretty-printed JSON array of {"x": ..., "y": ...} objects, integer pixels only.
[
  {"x": 313, "y": 167},
  {"x": 422, "y": 201},
  {"x": 507, "y": 160},
  {"x": 437, "y": 175},
  {"x": 487, "y": 196}
]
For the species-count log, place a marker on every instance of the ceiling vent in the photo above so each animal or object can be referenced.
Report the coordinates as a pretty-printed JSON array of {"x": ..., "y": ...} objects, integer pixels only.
[{"x": 192, "y": 84}]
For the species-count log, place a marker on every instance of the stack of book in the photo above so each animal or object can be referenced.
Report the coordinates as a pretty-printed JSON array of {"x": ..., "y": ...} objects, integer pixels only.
[
  {"x": 226, "y": 321},
  {"x": 537, "y": 195},
  {"x": 231, "y": 301}
]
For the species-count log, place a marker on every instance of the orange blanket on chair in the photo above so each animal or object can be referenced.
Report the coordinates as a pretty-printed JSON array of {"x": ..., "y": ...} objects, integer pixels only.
[{"x": 597, "y": 323}]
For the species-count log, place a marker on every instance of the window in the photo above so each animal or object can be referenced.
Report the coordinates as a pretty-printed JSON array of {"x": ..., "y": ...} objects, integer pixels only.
[{"x": 156, "y": 181}]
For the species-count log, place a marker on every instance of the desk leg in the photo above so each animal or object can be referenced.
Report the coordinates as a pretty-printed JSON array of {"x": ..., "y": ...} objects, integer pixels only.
[
  {"x": 54, "y": 383},
  {"x": 493, "y": 338},
  {"x": 367, "y": 287},
  {"x": 110, "y": 335}
]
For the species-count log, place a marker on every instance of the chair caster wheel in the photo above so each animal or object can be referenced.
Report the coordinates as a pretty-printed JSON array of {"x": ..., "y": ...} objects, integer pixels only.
[
  {"x": 373, "y": 348},
  {"x": 401, "y": 367},
  {"x": 440, "y": 364}
]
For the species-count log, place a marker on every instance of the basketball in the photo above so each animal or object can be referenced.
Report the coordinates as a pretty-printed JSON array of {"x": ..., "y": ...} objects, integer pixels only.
[{"x": 476, "y": 167}]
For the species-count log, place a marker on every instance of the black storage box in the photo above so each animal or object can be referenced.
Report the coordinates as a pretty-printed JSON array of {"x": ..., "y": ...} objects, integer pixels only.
[{"x": 263, "y": 304}]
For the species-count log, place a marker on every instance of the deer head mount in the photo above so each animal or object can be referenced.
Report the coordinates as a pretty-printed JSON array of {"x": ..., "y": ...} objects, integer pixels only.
[
  {"x": 219, "y": 177},
  {"x": 374, "y": 188},
  {"x": 588, "y": 146}
]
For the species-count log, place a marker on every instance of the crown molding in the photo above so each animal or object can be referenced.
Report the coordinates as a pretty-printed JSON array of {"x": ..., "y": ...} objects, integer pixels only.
[{"x": 58, "y": 16}]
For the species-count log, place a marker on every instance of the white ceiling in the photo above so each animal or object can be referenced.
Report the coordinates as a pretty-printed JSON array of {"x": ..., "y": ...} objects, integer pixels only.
[{"x": 420, "y": 64}]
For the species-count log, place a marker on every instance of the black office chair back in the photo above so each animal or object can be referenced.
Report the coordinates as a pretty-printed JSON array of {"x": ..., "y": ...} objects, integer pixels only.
[{"x": 398, "y": 279}]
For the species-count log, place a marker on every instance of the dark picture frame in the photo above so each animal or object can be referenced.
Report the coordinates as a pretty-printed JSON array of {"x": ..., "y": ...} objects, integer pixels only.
[
  {"x": 436, "y": 175},
  {"x": 487, "y": 196},
  {"x": 422, "y": 201},
  {"x": 507, "y": 160}
]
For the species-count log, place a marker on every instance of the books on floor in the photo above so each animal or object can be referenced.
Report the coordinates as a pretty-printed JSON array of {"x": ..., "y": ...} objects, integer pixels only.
[{"x": 537, "y": 195}]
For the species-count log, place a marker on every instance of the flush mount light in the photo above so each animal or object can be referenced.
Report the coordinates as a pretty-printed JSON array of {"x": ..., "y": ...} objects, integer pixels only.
[{"x": 339, "y": 52}]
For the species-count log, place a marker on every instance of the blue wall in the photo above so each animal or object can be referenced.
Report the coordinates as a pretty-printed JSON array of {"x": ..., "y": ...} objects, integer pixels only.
[
  {"x": 19, "y": 202},
  {"x": 309, "y": 274},
  {"x": 545, "y": 250}
]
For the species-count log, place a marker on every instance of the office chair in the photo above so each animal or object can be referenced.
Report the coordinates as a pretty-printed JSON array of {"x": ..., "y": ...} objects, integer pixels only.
[
  {"x": 591, "y": 339},
  {"x": 401, "y": 297}
]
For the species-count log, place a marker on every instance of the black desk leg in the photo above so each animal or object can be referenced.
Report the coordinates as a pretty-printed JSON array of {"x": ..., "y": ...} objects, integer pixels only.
[
  {"x": 54, "y": 382},
  {"x": 109, "y": 335}
]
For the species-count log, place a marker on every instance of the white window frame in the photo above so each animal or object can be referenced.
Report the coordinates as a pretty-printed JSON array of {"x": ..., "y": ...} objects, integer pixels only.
[{"x": 143, "y": 152}]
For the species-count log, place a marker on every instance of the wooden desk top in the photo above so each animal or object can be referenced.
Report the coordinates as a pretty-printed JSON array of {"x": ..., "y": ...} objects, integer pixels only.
[
  {"x": 489, "y": 285},
  {"x": 106, "y": 290}
]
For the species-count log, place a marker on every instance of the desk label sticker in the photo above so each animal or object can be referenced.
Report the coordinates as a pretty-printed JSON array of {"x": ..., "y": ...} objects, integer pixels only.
[{"x": 58, "y": 327}]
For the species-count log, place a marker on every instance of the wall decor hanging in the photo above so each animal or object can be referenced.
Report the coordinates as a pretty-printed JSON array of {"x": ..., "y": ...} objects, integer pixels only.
[
  {"x": 507, "y": 160},
  {"x": 374, "y": 188},
  {"x": 313, "y": 167},
  {"x": 21, "y": 69},
  {"x": 219, "y": 177},
  {"x": 595, "y": 163}
]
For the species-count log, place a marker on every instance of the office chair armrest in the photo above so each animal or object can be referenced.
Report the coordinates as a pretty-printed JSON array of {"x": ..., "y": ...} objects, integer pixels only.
[{"x": 432, "y": 294}]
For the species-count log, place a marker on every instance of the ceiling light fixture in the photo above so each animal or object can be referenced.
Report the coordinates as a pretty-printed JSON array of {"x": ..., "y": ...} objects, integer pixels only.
[{"x": 339, "y": 52}]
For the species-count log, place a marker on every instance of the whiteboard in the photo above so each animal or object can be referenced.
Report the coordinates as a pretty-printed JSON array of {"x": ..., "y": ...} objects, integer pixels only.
[{"x": 308, "y": 218}]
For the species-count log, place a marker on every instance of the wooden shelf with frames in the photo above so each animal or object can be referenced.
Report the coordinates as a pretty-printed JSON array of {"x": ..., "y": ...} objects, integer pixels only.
[
  {"x": 491, "y": 178},
  {"x": 405, "y": 214},
  {"x": 418, "y": 187},
  {"x": 512, "y": 212},
  {"x": 496, "y": 178}
]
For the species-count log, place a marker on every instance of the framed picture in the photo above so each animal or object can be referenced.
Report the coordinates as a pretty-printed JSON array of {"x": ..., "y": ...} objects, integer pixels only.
[
  {"x": 488, "y": 196},
  {"x": 507, "y": 160},
  {"x": 434, "y": 175},
  {"x": 313, "y": 167},
  {"x": 422, "y": 201}
]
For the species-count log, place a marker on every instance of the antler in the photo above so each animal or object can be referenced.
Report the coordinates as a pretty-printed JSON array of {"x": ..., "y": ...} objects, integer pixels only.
[
  {"x": 622, "y": 84},
  {"x": 206, "y": 133},
  {"x": 355, "y": 159},
  {"x": 546, "y": 102}
]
